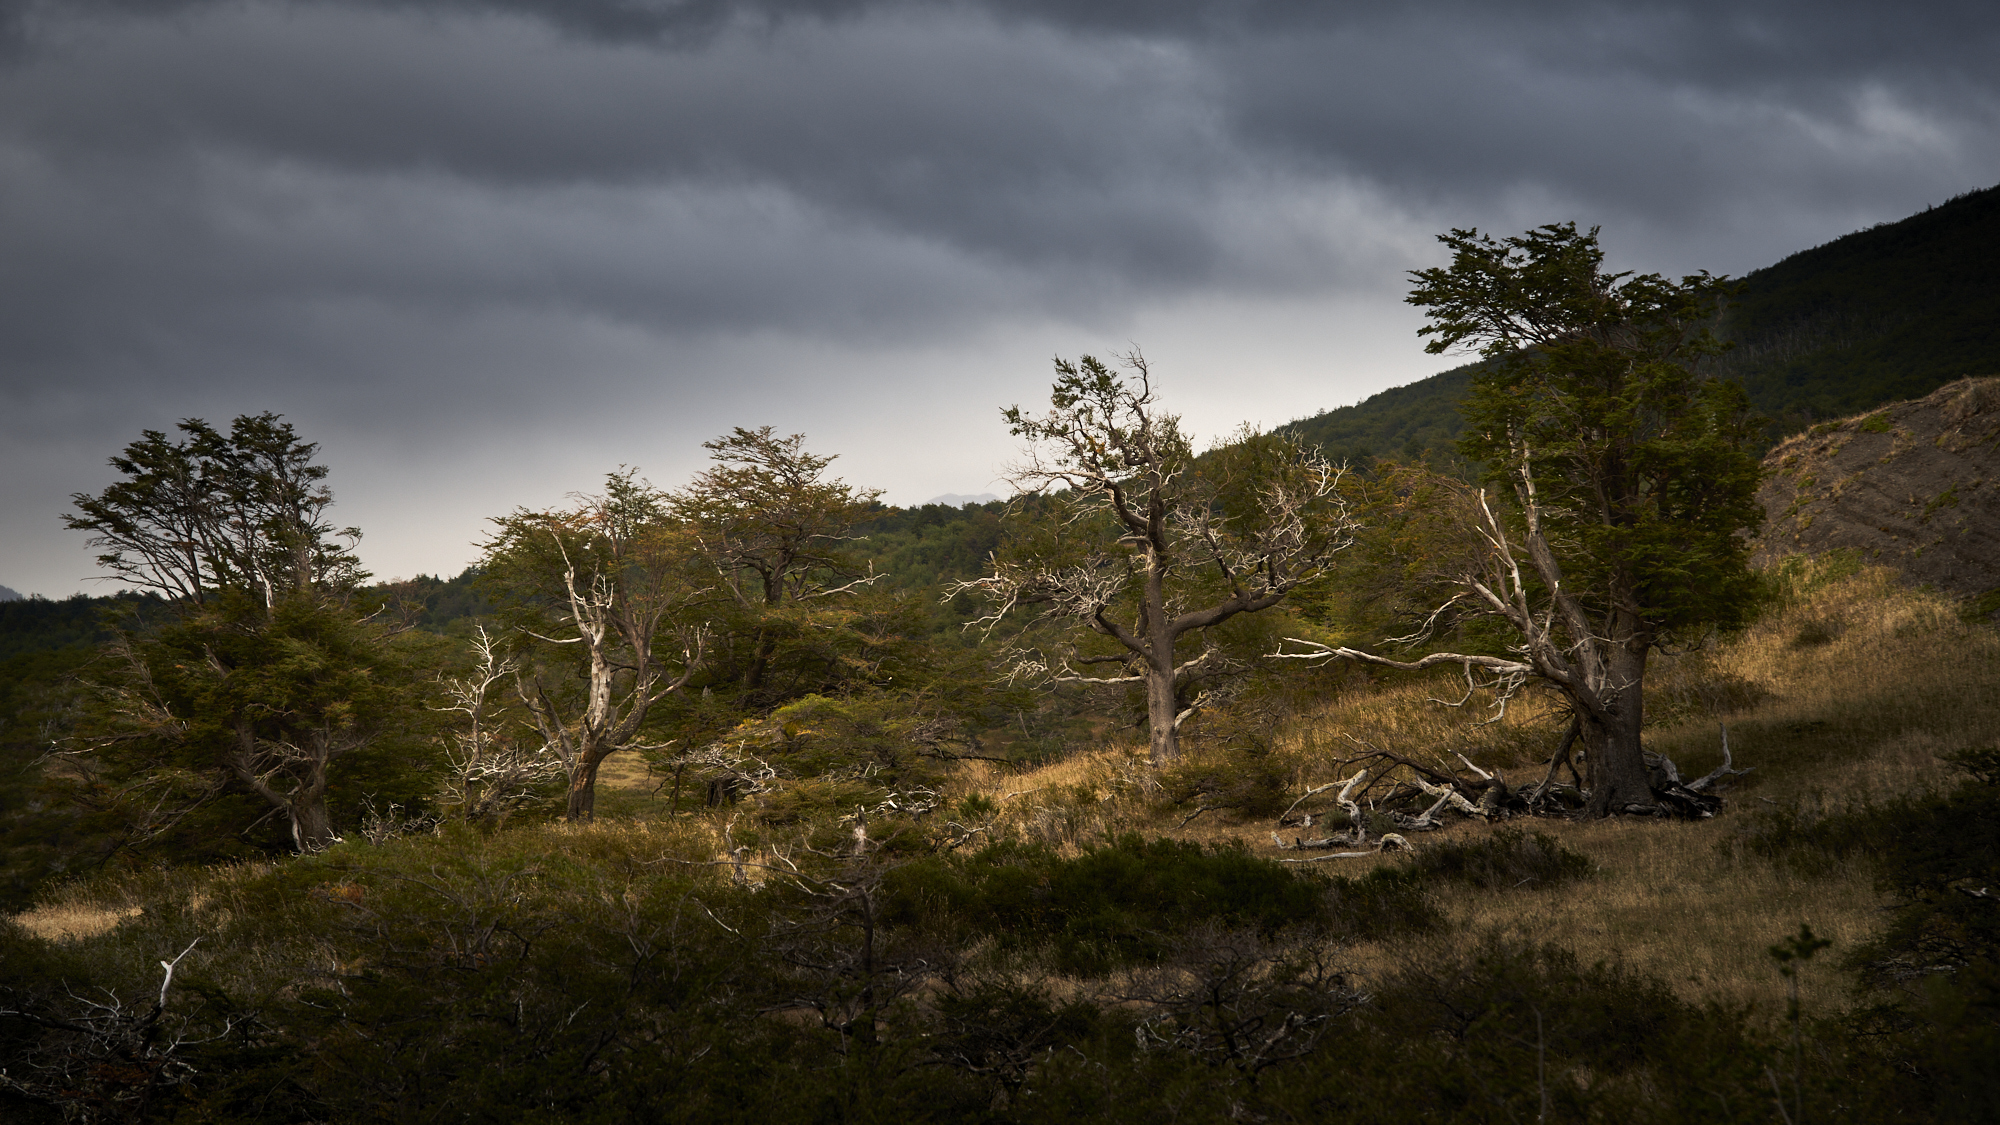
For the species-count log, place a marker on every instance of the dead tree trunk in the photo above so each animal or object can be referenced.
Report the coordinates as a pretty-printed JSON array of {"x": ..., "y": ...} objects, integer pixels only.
[{"x": 620, "y": 565}]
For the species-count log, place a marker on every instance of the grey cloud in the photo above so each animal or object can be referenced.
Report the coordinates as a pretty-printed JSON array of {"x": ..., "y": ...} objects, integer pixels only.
[
  {"x": 900, "y": 164},
  {"x": 1056, "y": 133},
  {"x": 956, "y": 132},
  {"x": 441, "y": 216}
]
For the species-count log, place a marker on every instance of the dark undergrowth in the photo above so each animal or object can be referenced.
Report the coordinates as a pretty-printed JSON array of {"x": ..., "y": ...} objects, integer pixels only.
[{"x": 621, "y": 974}]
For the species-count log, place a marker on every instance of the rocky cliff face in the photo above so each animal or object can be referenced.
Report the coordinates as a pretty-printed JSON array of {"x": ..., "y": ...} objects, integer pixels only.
[{"x": 1913, "y": 485}]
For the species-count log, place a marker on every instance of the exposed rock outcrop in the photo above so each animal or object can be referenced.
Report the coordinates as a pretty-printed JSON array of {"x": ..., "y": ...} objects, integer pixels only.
[{"x": 1914, "y": 485}]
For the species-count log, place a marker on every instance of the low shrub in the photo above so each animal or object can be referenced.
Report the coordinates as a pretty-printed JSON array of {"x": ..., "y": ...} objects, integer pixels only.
[
  {"x": 1504, "y": 858},
  {"x": 1124, "y": 902},
  {"x": 1247, "y": 781}
]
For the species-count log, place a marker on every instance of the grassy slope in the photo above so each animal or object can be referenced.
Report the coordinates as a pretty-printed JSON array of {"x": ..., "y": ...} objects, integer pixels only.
[
  {"x": 1838, "y": 696},
  {"x": 1860, "y": 717}
]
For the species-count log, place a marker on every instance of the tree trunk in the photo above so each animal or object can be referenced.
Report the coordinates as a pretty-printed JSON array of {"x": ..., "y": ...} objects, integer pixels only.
[
  {"x": 1615, "y": 759},
  {"x": 583, "y": 787},
  {"x": 1161, "y": 710},
  {"x": 312, "y": 825},
  {"x": 305, "y": 806}
]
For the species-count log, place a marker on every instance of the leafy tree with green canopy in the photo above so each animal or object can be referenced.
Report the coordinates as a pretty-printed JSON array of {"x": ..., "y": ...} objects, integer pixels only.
[
  {"x": 1630, "y": 473},
  {"x": 816, "y": 665},
  {"x": 1142, "y": 544},
  {"x": 260, "y": 676},
  {"x": 776, "y": 530},
  {"x": 609, "y": 599}
]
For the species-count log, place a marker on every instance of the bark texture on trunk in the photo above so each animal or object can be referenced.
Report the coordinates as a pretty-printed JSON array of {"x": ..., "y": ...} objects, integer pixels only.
[
  {"x": 583, "y": 789},
  {"x": 312, "y": 824},
  {"x": 1162, "y": 708},
  {"x": 1614, "y": 755}
]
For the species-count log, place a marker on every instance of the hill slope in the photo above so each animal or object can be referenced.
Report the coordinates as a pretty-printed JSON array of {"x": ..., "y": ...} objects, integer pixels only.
[
  {"x": 1914, "y": 485},
  {"x": 1885, "y": 314}
]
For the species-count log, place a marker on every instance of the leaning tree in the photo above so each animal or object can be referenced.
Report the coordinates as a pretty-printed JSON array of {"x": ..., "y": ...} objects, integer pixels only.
[
  {"x": 1123, "y": 533},
  {"x": 1623, "y": 480}
]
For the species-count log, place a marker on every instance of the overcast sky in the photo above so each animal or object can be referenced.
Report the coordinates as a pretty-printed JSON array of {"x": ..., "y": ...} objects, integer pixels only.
[{"x": 485, "y": 251}]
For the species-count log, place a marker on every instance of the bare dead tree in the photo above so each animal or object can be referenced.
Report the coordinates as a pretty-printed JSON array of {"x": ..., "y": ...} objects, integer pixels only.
[
  {"x": 1234, "y": 998},
  {"x": 1143, "y": 544},
  {"x": 101, "y": 1057},
  {"x": 848, "y": 965},
  {"x": 492, "y": 773}
]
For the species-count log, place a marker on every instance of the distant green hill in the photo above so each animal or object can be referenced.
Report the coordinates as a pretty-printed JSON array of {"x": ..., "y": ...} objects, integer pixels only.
[
  {"x": 1404, "y": 422},
  {"x": 1881, "y": 315},
  {"x": 31, "y": 625}
]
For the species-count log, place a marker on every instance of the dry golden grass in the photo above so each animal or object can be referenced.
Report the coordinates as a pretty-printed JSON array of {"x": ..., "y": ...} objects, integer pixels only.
[
  {"x": 1067, "y": 804},
  {"x": 73, "y": 919},
  {"x": 1667, "y": 902},
  {"x": 1848, "y": 692},
  {"x": 1868, "y": 683},
  {"x": 628, "y": 771}
]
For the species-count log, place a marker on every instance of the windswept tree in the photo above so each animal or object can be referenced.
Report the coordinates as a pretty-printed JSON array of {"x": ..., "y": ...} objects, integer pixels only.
[
  {"x": 1622, "y": 480},
  {"x": 607, "y": 594},
  {"x": 259, "y": 676},
  {"x": 213, "y": 512},
  {"x": 1125, "y": 535}
]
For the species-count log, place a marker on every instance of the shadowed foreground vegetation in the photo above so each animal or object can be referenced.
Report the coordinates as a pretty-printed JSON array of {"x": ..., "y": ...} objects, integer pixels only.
[{"x": 1091, "y": 939}]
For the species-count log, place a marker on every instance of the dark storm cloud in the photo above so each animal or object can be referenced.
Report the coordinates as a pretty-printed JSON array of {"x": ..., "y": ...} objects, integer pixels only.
[
  {"x": 484, "y": 210},
  {"x": 1046, "y": 134},
  {"x": 184, "y": 171},
  {"x": 947, "y": 130}
]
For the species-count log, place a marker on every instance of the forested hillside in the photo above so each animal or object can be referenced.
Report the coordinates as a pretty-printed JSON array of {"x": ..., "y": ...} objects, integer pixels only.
[{"x": 1881, "y": 315}]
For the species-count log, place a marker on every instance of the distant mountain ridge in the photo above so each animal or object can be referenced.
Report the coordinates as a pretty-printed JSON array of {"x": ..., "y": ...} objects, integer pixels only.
[{"x": 1881, "y": 315}]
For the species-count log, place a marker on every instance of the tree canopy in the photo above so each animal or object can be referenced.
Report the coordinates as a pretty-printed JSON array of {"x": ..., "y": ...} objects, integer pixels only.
[
  {"x": 605, "y": 596},
  {"x": 213, "y": 512},
  {"x": 258, "y": 678}
]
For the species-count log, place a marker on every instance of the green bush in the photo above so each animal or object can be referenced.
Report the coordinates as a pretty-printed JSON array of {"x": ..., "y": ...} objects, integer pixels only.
[
  {"x": 1247, "y": 781},
  {"x": 1124, "y": 902}
]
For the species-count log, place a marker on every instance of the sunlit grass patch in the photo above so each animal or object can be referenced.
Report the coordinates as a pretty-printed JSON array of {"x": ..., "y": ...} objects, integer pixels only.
[{"x": 73, "y": 919}]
